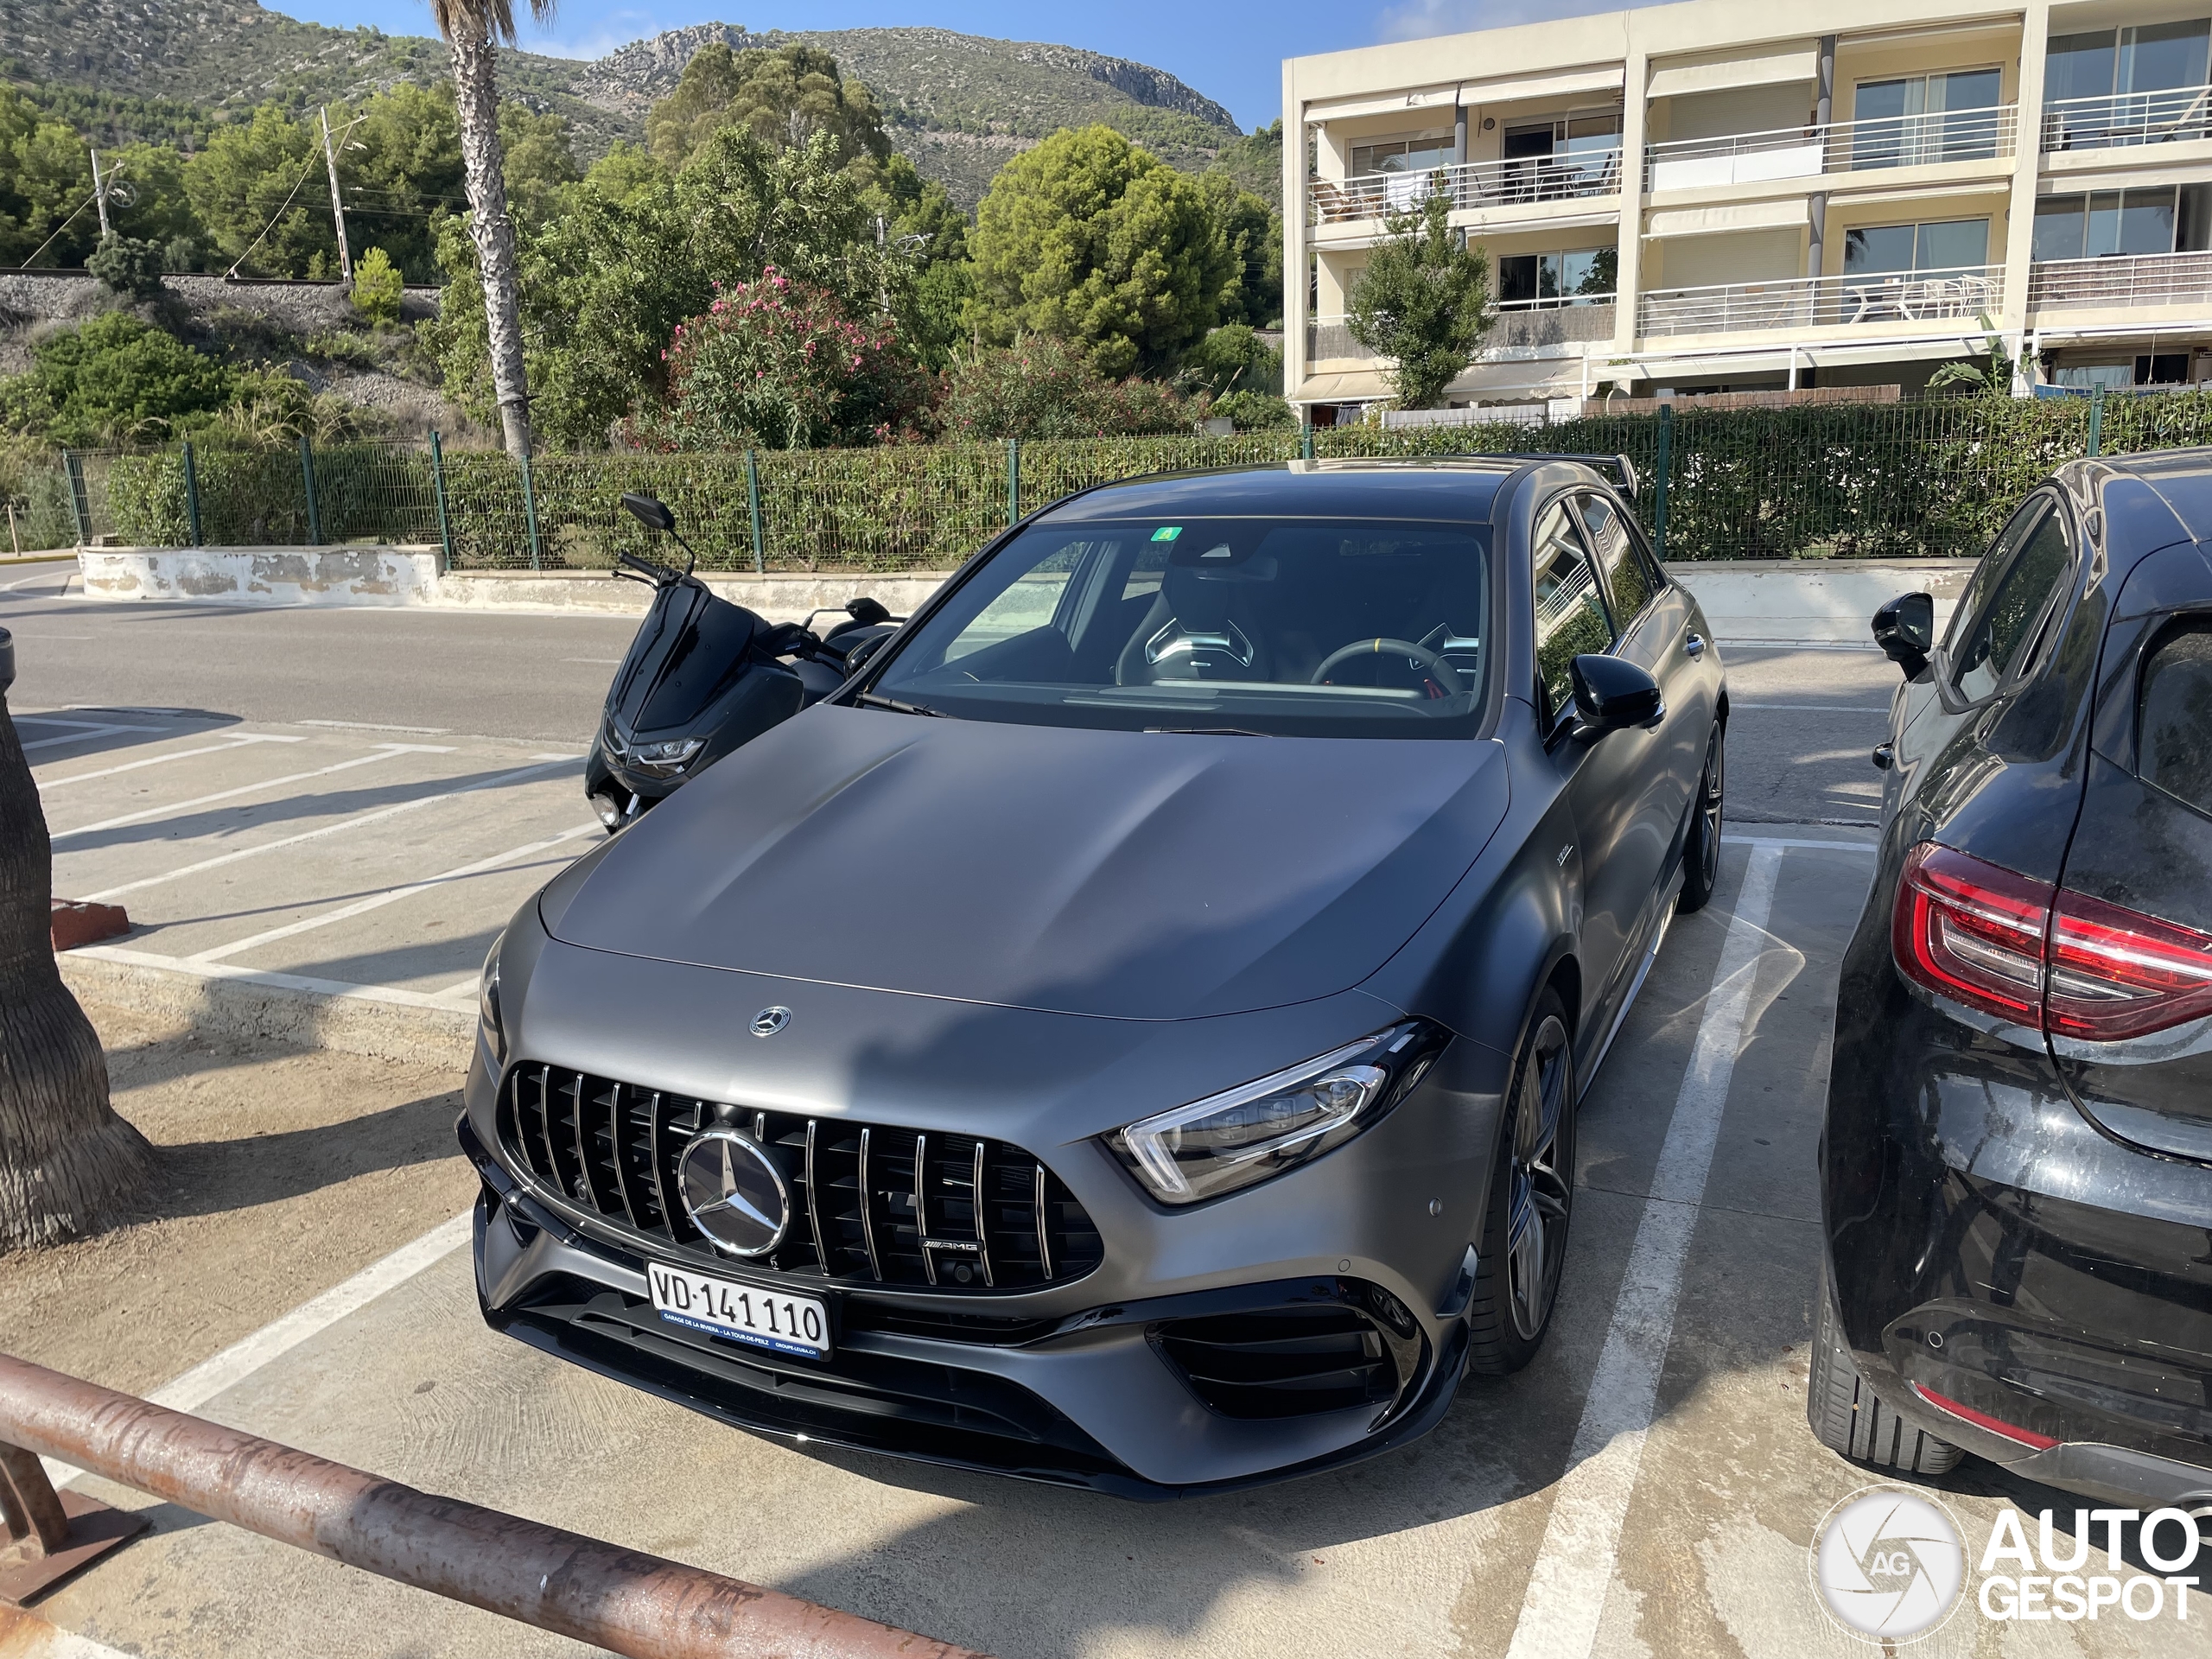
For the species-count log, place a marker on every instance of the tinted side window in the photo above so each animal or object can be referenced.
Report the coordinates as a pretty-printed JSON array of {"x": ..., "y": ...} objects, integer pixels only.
[
  {"x": 1629, "y": 576},
  {"x": 1570, "y": 615},
  {"x": 2174, "y": 728},
  {"x": 1997, "y": 637}
]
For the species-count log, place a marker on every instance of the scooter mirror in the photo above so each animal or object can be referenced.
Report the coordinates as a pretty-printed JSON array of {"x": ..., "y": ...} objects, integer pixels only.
[
  {"x": 650, "y": 510},
  {"x": 867, "y": 612}
]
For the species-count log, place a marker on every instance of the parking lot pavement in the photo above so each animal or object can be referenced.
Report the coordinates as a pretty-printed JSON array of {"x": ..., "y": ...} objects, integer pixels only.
[
  {"x": 1801, "y": 725},
  {"x": 354, "y": 856},
  {"x": 1648, "y": 1487}
]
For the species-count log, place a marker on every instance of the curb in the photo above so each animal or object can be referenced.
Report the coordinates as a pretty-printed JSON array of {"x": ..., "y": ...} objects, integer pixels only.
[{"x": 375, "y": 1023}]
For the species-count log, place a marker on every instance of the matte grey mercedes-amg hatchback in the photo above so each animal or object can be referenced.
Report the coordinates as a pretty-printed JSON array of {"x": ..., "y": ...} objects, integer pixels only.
[{"x": 1130, "y": 1034}]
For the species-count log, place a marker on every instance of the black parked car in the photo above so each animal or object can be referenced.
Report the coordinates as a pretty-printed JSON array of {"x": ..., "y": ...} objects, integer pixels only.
[
  {"x": 2017, "y": 1165},
  {"x": 1129, "y": 1034}
]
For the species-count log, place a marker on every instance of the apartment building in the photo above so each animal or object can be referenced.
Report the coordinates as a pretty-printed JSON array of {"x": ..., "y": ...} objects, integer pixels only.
[{"x": 1727, "y": 195}]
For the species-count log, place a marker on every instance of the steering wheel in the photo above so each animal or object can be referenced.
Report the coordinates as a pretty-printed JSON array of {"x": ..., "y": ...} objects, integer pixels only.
[{"x": 1442, "y": 672}]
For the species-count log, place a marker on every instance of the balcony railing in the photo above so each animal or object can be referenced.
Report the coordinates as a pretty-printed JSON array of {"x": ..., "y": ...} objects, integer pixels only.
[
  {"x": 2169, "y": 117},
  {"x": 2125, "y": 279},
  {"x": 1519, "y": 182},
  {"x": 1519, "y": 323},
  {"x": 1841, "y": 147},
  {"x": 1962, "y": 294}
]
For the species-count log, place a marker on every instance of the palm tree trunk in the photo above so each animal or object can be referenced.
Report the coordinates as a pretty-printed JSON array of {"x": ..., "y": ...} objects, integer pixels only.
[
  {"x": 68, "y": 1165},
  {"x": 477, "y": 94}
]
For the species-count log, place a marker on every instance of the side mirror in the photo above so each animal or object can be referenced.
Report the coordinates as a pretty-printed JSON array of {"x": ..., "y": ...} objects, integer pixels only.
[
  {"x": 1609, "y": 693},
  {"x": 860, "y": 653},
  {"x": 7, "y": 661},
  {"x": 650, "y": 510},
  {"x": 867, "y": 612},
  {"x": 1905, "y": 630}
]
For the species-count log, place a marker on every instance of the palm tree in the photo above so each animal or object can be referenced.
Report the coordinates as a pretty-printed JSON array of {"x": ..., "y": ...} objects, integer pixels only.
[
  {"x": 68, "y": 1165},
  {"x": 471, "y": 27}
]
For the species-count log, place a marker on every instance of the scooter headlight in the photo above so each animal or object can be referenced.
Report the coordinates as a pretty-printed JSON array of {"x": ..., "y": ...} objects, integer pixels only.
[{"x": 665, "y": 759}]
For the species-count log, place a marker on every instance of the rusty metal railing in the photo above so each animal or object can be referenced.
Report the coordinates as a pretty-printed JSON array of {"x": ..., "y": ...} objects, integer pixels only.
[{"x": 620, "y": 1599}]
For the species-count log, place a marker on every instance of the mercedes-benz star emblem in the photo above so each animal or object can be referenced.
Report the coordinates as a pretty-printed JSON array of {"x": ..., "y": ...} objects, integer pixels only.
[
  {"x": 734, "y": 1192},
  {"x": 769, "y": 1022}
]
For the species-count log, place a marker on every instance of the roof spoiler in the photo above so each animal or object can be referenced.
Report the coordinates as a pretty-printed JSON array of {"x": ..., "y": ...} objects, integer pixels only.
[{"x": 1622, "y": 468}]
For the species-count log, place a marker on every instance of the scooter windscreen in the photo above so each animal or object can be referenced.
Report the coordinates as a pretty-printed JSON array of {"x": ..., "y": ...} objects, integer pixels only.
[{"x": 688, "y": 653}]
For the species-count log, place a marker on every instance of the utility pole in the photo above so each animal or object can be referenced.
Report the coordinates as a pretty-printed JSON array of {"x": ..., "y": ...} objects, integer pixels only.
[
  {"x": 337, "y": 206},
  {"x": 99, "y": 194}
]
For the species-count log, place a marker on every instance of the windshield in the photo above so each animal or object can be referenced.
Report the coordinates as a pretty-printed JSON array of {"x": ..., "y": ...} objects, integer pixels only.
[{"x": 1275, "y": 626}]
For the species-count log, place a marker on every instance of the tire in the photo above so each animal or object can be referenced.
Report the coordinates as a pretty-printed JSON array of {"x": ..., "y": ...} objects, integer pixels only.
[
  {"x": 1849, "y": 1418},
  {"x": 1523, "y": 1244},
  {"x": 1701, "y": 846}
]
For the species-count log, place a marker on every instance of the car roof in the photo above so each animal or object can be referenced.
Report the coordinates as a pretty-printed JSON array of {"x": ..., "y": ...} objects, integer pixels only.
[
  {"x": 2154, "y": 499},
  {"x": 1457, "y": 487}
]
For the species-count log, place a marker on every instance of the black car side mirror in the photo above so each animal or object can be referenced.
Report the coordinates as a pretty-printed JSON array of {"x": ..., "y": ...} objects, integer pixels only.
[
  {"x": 860, "y": 653},
  {"x": 7, "y": 661},
  {"x": 1611, "y": 693},
  {"x": 650, "y": 510},
  {"x": 867, "y": 612},
  {"x": 1905, "y": 630}
]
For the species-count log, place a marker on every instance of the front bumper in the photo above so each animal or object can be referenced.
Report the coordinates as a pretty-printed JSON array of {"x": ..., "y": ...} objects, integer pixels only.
[
  {"x": 990, "y": 1397},
  {"x": 1988, "y": 1244}
]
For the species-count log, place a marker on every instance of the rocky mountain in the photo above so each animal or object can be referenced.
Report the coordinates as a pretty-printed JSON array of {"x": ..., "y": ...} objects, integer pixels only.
[{"x": 958, "y": 105}]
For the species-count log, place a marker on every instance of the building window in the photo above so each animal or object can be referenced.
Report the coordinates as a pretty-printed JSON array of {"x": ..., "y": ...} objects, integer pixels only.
[
  {"x": 1582, "y": 133},
  {"x": 2133, "y": 85},
  {"x": 1414, "y": 154},
  {"x": 2170, "y": 219},
  {"x": 1951, "y": 245},
  {"x": 1920, "y": 119},
  {"x": 1571, "y": 277}
]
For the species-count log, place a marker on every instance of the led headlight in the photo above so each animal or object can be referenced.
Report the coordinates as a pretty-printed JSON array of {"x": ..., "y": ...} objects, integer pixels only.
[
  {"x": 664, "y": 759},
  {"x": 1262, "y": 1129},
  {"x": 491, "y": 1033}
]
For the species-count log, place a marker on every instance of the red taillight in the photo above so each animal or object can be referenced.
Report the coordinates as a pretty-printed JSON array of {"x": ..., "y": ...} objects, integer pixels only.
[
  {"x": 1983, "y": 1420},
  {"x": 2057, "y": 961},
  {"x": 1972, "y": 930},
  {"x": 2117, "y": 973}
]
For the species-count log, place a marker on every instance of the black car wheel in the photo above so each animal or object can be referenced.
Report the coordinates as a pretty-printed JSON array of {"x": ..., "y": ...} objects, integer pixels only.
[
  {"x": 1849, "y": 1417},
  {"x": 1701, "y": 848},
  {"x": 1532, "y": 1195}
]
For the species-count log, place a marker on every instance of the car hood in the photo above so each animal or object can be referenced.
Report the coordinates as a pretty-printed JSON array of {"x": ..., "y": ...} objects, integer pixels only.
[{"x": 1124, "y": 874}]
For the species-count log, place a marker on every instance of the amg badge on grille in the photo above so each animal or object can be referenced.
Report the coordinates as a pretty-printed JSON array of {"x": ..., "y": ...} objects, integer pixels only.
[{"x": 734, "y": 1192}]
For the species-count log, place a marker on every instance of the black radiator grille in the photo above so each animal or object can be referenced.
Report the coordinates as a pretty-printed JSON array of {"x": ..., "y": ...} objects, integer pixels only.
[
  {"x": 1283, "y": 1362},
  {"x": 871, "y": 1203}
]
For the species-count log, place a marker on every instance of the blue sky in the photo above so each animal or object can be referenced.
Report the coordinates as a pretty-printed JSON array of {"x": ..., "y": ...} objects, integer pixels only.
[{"x": 1231, "y": 50}]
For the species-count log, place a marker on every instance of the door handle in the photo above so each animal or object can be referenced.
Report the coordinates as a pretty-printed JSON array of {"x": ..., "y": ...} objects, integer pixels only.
[{"x": 1694, "y": 645}]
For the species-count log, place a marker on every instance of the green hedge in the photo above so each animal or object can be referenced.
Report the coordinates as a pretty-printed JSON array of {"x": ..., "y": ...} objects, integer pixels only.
[{"x": 1844, "y": 480}]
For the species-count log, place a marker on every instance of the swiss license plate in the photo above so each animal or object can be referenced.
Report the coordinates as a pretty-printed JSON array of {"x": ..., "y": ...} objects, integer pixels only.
[{"x": 766, "y": 1319}]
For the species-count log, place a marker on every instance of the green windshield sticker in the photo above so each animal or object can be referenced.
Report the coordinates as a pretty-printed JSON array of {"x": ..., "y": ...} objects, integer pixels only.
[{"x": 1167, "y": 532}]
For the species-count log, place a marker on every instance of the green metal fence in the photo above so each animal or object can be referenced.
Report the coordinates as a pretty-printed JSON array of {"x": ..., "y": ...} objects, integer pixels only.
[{"x": 1844, "y": 480}]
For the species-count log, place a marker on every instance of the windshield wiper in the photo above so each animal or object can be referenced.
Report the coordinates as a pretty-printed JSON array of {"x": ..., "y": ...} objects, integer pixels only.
[
  {"x": 875, "y": 700},
  {"x": 1204, "y": 731}
]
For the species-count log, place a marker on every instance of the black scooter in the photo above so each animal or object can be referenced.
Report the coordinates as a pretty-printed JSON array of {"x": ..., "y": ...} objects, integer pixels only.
[{"x": 703, "y": 675}]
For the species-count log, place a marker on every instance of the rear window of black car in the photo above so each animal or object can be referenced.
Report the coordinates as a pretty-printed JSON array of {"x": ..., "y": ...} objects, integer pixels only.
[
  {"x": 1302, "y": 626},
  {"x": 2174, "y": 718}
]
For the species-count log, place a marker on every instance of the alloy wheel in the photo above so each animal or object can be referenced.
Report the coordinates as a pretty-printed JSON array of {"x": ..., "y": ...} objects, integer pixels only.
[
  {"x": 1540, "y": 1182},
  {"x": 1712, "y": 785}
]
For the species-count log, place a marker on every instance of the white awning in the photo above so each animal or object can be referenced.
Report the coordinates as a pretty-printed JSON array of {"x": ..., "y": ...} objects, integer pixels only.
[
  {"x": 1732, "y": 216},
  {"x": 1717, "y": 73},
  {"x": 1445, "y": 98},
  {"x": 1514, "y": 89}
]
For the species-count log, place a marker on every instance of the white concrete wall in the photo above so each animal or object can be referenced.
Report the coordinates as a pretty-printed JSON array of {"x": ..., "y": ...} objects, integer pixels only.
[
  {"x": 410, "y": 576},
  {"x": 1815, "y": 601}
]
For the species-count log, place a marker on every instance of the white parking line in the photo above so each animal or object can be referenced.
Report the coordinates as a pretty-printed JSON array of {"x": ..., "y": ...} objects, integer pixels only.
[
  {"x": 242, "y": 1359},
  {"x": 86, "y": 735},
  {"x": 1793, "y": 844},
  {"x": 238, "y": 742},
  {"x": 1575, "y": 1565},
  {"x": 361, "y": 822},
  {"x": 383, "y": 752},
  {"x": 372, "y": 725},
  {"x": 390, "y": 895},
  {"x": 1815, "y": 708}
]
